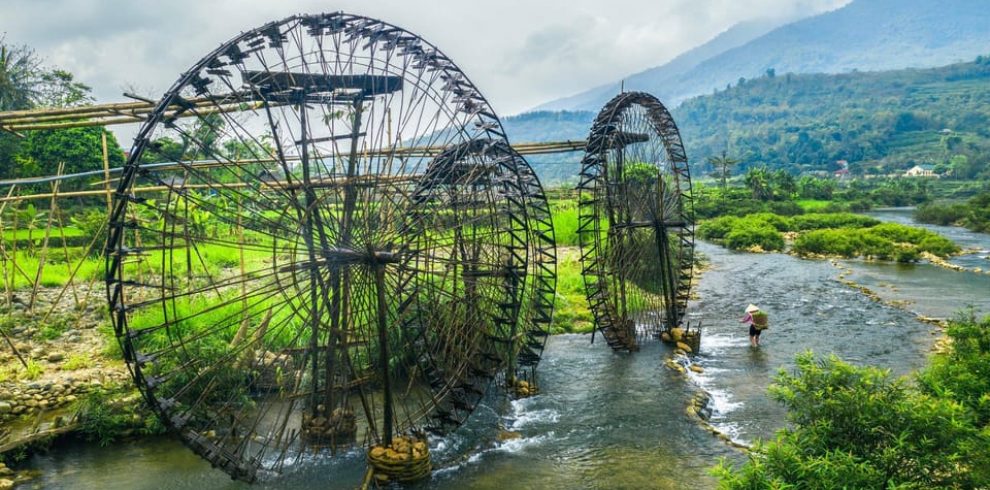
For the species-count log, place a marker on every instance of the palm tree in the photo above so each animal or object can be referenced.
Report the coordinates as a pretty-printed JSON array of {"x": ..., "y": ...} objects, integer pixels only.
[
  {"x": 723, "y": 162},
  {"x": 758, "y": 180},
  {"x": 21, "y": 77}
]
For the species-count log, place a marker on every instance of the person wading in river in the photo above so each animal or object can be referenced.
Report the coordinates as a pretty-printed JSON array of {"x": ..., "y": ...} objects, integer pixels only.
[{"x": 757, "y": 321}]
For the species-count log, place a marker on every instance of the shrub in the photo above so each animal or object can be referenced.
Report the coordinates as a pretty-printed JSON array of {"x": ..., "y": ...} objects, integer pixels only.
[
  {"x": 786, "y": 208},
  {"x": 828, "y": 242},
  {"x": 963, "y": 373},
  {"x": 856, "y": 427},
  {"x": 818, "y": 221},
  {"x": 780, "y": 223},
  {"x": 940, "y": 214},
  {"x": 93, "y": 223},
  {"x": 718, "y": 228},
  {"x": 754, "y": 233},
  {"x": 925, "y": 240}
]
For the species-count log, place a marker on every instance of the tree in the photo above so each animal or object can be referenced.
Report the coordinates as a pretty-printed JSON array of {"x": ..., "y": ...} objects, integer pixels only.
[
  {"x": 783, "y": 183},
  {"x": 59, "y": 89},
  {"x": 758, "y": 181},
  {"x": 856, "y": 427},
  {"x": 814, "y": 188},
  {"x": 80, "y": 149},
  {"x": 25, "y": 83},
  {"x": 723, "y": 162},
  {"x": 20, "y": 77}
]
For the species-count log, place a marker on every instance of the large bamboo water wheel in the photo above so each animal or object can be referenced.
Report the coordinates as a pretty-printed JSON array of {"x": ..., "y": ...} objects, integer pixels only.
[
  {"x": 636, "y": 224},
  {"x": 343, "y": 250}
]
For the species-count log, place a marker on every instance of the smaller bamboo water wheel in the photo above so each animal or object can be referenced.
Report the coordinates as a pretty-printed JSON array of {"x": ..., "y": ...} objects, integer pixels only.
[{"x": 636, "y": 222}]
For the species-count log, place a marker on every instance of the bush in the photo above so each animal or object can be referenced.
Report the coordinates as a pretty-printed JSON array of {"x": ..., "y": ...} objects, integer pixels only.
[
  {"x": 924, "y": 240},
  {"x": 786, "y": 208},
  {"x": 818, "y": 221},
  {"x": 93, "y": 223},
  {"x": 963, "y": 373},
  {"x": 855, "y": 427},
  {"x": 754, "y": 233},
  {"x": 718, "y": 228},
  {"x": 828, "y": 242},
  {"x": 77, "y": 361},
  {"x": 940, "y": 214}
]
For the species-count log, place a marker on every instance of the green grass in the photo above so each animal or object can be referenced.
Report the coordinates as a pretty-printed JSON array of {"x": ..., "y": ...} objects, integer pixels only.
[
  {"x": 39, "y": 234},
  {"x": 571, "y": 314},
  {"x": 565, "y": 222},
  {"x": 33, "y": 371},
  {"x": 56, "y": 272},
  {"x": 813, "y": 205},
  {"x": 54, "y": 328},
  {"x": 77, "y": 361}
]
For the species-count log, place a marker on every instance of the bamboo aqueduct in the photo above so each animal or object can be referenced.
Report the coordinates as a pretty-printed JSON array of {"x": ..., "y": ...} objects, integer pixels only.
[{"x": 396, "y": 255}]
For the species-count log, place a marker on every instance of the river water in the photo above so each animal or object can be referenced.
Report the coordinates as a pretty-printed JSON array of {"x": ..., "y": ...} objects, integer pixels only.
[{"x": 606, "y": 420}]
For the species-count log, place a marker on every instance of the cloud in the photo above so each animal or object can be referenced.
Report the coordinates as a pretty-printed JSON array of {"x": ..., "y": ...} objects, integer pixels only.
[{"x": 519, "y": 52}]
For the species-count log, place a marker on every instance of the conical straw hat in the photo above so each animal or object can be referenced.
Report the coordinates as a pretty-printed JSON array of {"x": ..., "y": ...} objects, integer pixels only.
[{"x": 751, "y": 308}]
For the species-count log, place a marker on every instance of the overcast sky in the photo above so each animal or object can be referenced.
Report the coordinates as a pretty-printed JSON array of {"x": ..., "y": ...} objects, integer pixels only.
[{"x": 519, "y": 53}]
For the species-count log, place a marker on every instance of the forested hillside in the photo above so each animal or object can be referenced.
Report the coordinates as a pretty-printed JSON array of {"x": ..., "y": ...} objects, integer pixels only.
[{"x": 880, "y": 122}]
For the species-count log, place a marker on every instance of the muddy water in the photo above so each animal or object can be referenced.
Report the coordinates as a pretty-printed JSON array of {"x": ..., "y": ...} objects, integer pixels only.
[{"x": 607, "y": 420}]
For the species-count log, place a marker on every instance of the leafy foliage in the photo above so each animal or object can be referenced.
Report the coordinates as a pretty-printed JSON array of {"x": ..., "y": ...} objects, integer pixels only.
[
  {"x": 974, "y": 214},
  {"x": 962, "y": 373},
  {"x": 856, "y": 427},
  {"x": 885, "y": 241}
]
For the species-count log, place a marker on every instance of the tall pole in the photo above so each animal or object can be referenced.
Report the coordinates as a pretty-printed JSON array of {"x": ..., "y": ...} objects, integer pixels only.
[
  {"x": 106, "y": 171},
  {"x": 383, "y": 352}
]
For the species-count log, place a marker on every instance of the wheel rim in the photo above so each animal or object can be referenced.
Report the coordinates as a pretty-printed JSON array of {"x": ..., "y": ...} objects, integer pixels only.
[
  {"x": 374, "y": 281},
  {"x": 636, "y": 224}
]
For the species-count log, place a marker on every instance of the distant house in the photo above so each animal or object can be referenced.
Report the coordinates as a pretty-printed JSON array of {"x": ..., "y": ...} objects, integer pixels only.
[
  {"x": 921, "y": 171},
  {"x": 842, "y": 173}
]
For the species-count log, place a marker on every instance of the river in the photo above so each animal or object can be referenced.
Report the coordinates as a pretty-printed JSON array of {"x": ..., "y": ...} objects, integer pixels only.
[{"x": 606, "y": 420}]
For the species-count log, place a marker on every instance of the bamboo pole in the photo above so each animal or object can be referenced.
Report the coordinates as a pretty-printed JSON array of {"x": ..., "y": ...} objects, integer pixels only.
[
  {"x": 106, "y": 170},
  {"x": 112, "y": 107},
  {"x": 68, "y": 261},
  {"x": 89, "y": 250},
  {"x": 124, "y": 119},
  {"x": 44, "y": 243},
  {"x": 7, "y": 282}
]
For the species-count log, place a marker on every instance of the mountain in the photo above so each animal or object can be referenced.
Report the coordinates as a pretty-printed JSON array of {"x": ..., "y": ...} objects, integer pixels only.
[
  {"x": 879, "y": 122},
  {"x": 865, "y": 35},
  {"x": 735, "y": 36}
]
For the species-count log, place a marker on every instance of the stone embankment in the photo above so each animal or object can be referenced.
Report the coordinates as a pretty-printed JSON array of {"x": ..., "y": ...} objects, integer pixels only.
[{"x": 47, "y": 365}]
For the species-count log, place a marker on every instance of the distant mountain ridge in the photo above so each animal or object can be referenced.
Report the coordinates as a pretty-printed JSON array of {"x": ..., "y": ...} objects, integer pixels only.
[
  {"x": 865, "y": 35},
  {"x": 735, "y": 36}
]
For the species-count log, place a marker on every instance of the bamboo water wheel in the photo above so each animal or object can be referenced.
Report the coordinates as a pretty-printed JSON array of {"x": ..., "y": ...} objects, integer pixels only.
[
  {"x": 311, "y": 273},
  {"x": 636, "y": 224}
]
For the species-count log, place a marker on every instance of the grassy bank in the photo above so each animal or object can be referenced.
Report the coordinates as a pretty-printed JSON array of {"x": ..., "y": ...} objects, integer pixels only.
[{"x": 835, "y": 234}]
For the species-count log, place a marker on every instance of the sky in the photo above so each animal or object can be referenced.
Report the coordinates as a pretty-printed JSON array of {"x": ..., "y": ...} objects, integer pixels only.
[{"x": 518, "y": 53}]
